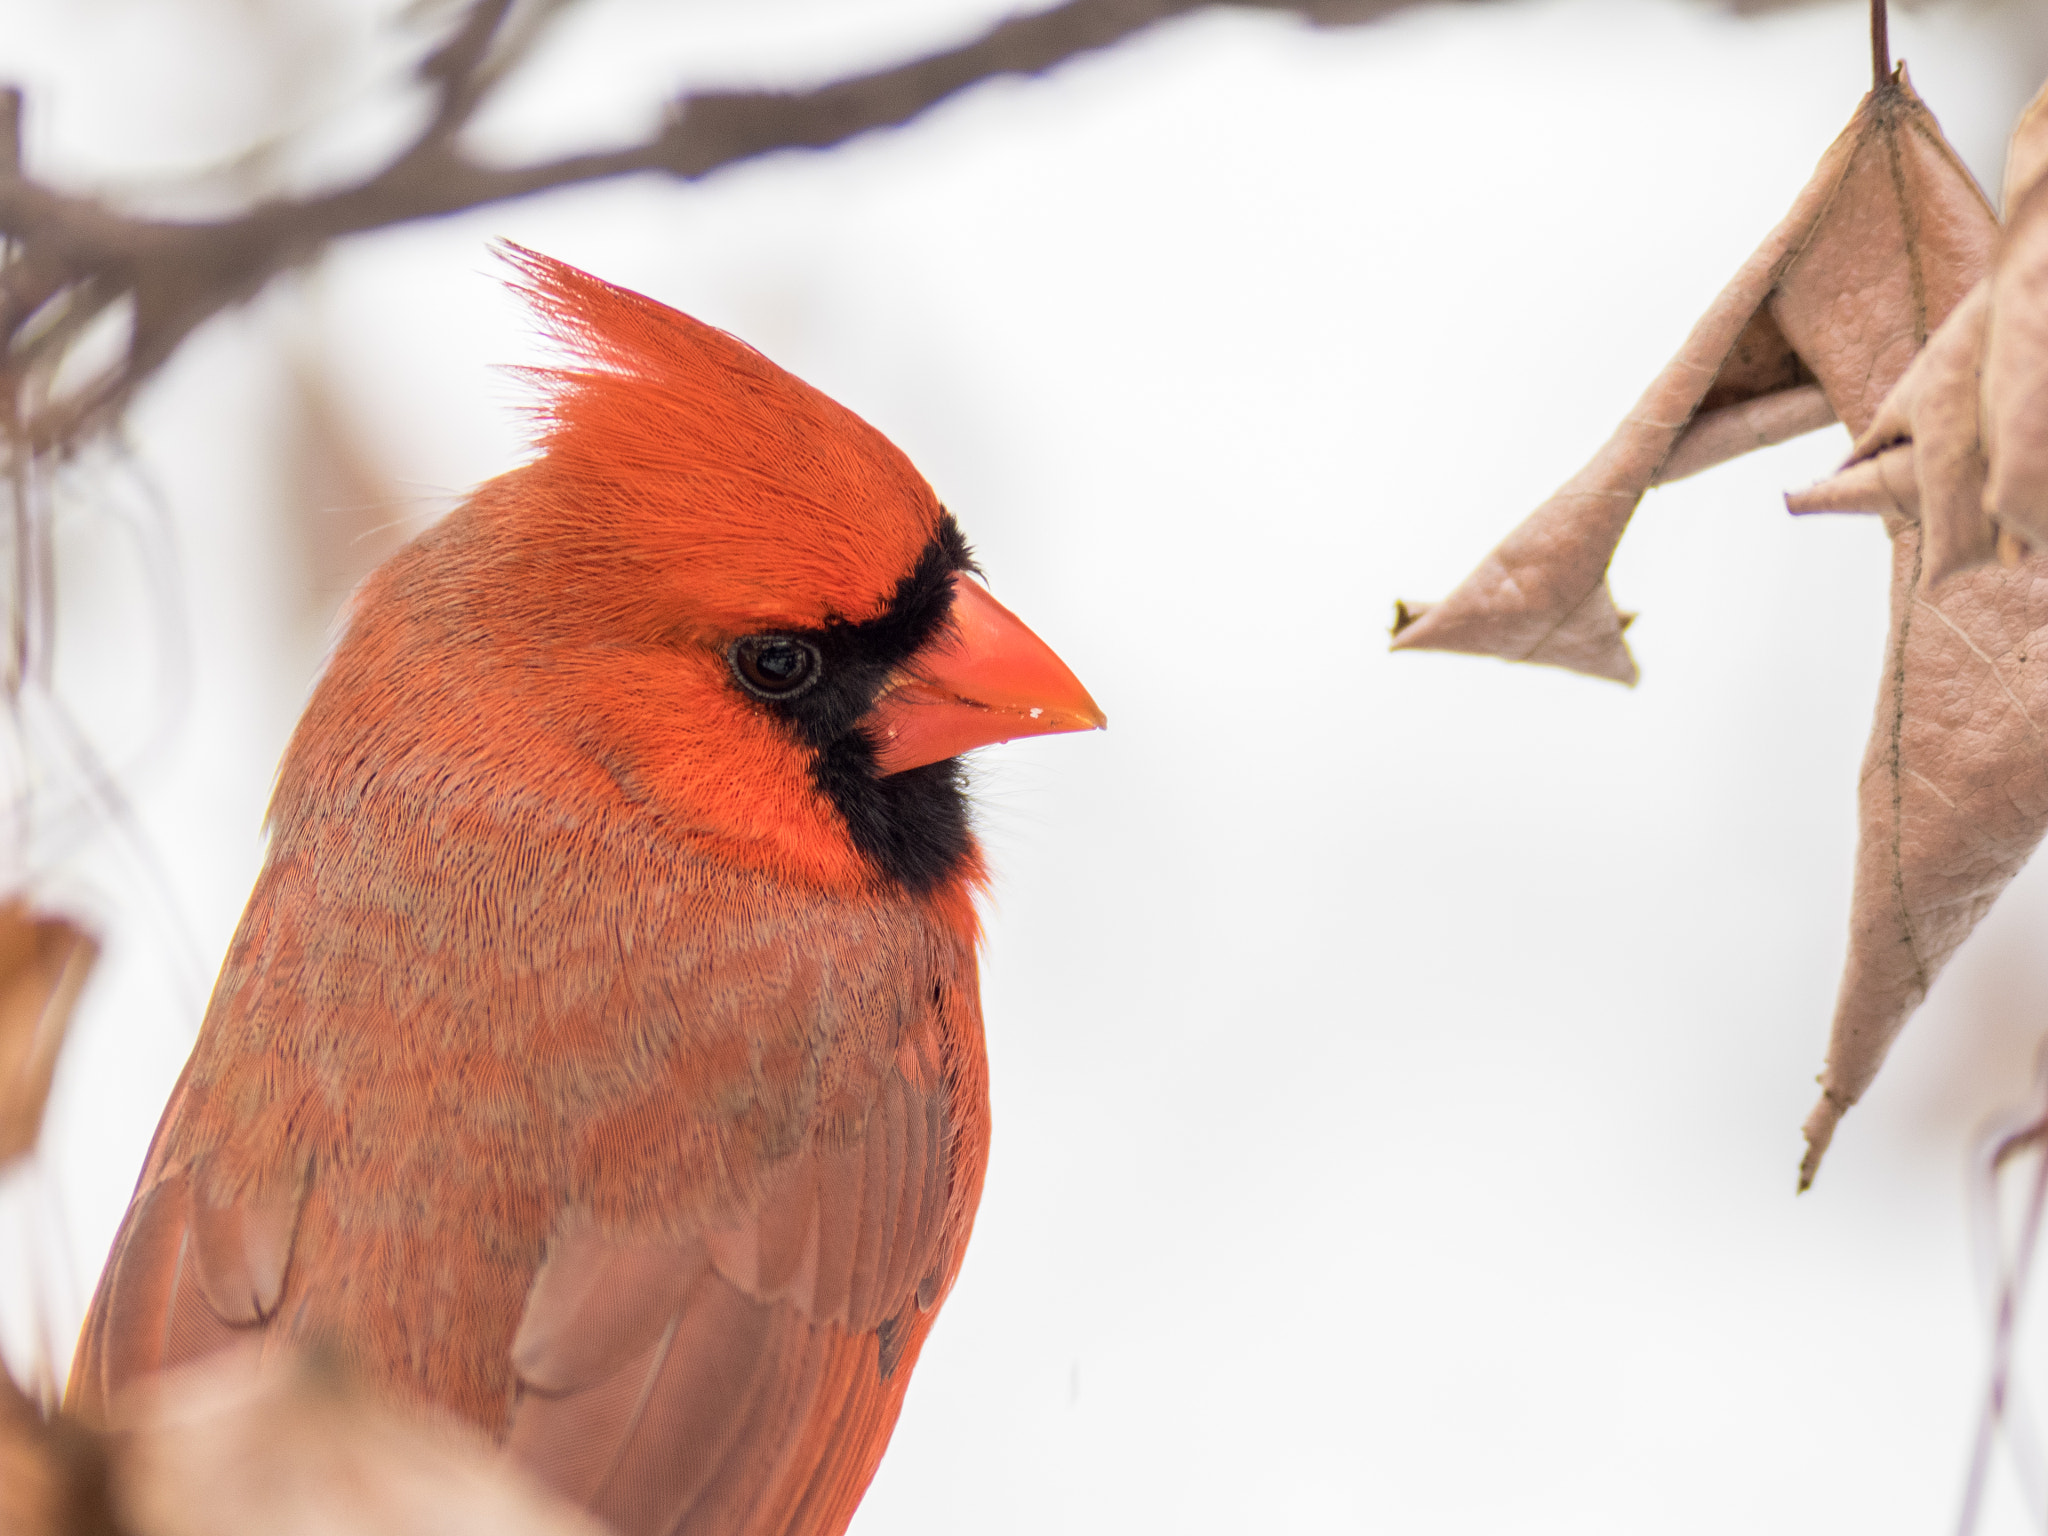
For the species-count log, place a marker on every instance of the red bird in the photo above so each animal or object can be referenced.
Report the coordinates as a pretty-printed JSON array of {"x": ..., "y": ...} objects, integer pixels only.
[{"x": 600, "y": 1054}]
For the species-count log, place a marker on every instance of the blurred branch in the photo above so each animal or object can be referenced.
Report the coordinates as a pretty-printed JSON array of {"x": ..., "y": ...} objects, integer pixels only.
[
  {"x": 456, "y": 68},
  {"x": 71, "y": 261}
]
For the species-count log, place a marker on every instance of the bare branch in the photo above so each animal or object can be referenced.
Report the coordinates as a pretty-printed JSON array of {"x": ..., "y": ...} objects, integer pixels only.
[
  {"x": 456, "y": 67},
  {"x": 10, "y": 130},
  {"x": 178, "y": 275}
]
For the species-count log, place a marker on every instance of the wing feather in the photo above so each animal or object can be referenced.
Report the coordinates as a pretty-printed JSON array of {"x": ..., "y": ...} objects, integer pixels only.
[
  {"x": 786, "y": 1230},
  {"x": 871, "y": 1237},
  {"x": 153, "y": 1310},
  {"x": 598, "y": 1304},
  {"x": 724, "y": 1355},
  {"x": 842, "y": 1453},
  {"x": 574, "y": 1440},
  {"x": 738, "y": 1378},
  {"x": 839, "y": 1221},
  {"x": 909, "y": 1244},
  {"x": 242, "y": 1249},
  {"x": 756, "y": 1458}
]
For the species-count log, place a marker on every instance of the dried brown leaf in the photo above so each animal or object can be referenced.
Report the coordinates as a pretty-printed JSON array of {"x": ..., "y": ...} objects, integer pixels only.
[
  {"x": 1763, "y": 421},
  {"x": 53, "y": 1473},
  {"x": 1887, "y": 482},
  {"x": 226, "y": 1448},
  {"x": 2015, "y": 384},
  {"x": 1927, "y": 428},
  {"x": 1953, "y": 798},
  {"x": 31, "y": 1484},
  {"x": 1973, "y": 408},
  {"x": 2026, "y": 158},
  {"x": 1954, "y": 795},
  {"x": 1881, "y": 244},
  {"x": 240, "y": 1446},
  {"x": 43, "y": 964}
]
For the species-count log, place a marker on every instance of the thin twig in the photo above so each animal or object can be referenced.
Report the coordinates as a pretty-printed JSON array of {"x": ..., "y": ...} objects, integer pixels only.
[
  {"x": 2003, "y": 1280},
  {"x": 456, "y": 67}
]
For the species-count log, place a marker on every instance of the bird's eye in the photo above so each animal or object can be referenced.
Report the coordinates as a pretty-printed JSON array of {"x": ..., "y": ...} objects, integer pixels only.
[{"x": 775, "y": 666}]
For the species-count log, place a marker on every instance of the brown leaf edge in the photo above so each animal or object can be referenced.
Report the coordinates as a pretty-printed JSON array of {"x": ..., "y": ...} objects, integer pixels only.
[
  {"x": 246, "y": 1443},
  {"x": 1756, "y": 370},
  {"x": 54, "y": 1473},
  {"x": 1960, "y": 443},
  {"x": 44, "y": 963}
]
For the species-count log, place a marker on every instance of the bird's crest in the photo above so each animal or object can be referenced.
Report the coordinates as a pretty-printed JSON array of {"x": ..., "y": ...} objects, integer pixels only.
[{"x": 675, "y": 444}]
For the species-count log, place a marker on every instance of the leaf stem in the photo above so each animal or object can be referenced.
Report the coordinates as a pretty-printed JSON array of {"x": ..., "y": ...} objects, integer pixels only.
[{"x": 1880, "y": 45}]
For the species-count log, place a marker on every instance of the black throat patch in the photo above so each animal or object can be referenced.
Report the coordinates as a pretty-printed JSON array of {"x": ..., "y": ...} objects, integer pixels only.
[{"x": 912, "y": 826}]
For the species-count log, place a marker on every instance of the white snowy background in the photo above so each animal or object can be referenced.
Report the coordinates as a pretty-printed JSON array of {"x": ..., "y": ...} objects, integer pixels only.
[{"x": 1398, "y": 1061}]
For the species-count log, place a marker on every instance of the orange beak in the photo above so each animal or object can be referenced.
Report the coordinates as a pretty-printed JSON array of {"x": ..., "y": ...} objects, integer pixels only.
[{"x": 985, "y": 679}]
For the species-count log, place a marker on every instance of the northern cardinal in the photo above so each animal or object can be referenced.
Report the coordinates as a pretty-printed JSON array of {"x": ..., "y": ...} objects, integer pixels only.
[{"x": 600, "y": 1054}]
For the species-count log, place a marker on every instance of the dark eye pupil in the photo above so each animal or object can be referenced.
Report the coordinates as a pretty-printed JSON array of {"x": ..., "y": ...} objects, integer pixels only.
[{"x": 774, "y": 665}]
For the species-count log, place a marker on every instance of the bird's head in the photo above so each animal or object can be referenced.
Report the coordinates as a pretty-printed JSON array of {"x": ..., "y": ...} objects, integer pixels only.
[{"x": 728, "y": 598}]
